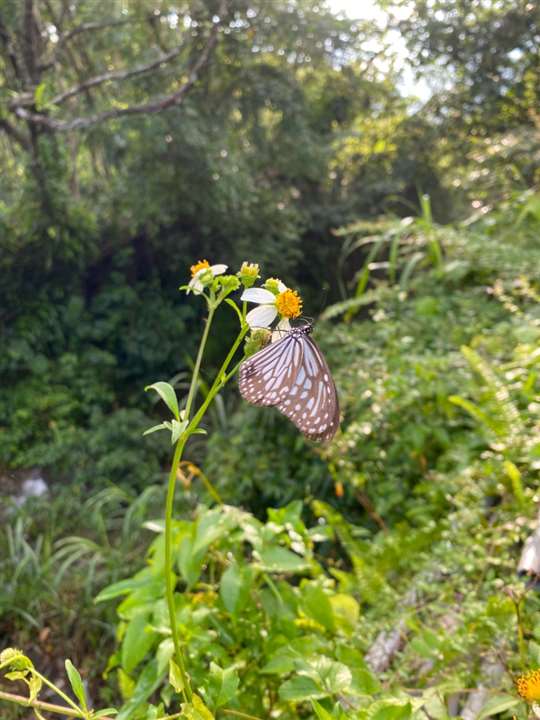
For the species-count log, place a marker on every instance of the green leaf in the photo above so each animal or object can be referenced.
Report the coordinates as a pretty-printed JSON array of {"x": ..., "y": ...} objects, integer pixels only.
[
  {"x": 175, "y": 676},
  {"x": 168, "y": 395},
  {"x": 235, "y": 308},
  {"x": 363, "y": 682},
  {"x": 224, "y": 684},
  {"x": 149, "y": 680},
  {"x": 104, "y": 712},
  {"x": 234, "y": 587},
  {"x": 137, "y": 641},
  {"x": 281, "y": 662},
  {"x": 322, "y": 714},
  {"x": 497, "y": 704},
  {"x": 334, "y": 676},
  {"x": 164, "y": 653},
  {"x": 155, "y": 428},
  {"x": 34, "y": 686},
  {"x": 76, "y": 683},
  {"x": 196, "y": 710},
  {"x": 346, "y": 611},
  {"x": 279, "y": 559},
  {"x": 392, "y": 710},
  {"x": 123, "y": 588},
  {"x": 316, "y": 605},
  {"x": 301, "y": 688},
  {"x": 177, "y": 429},
  {"x": 39, "y": 93}
]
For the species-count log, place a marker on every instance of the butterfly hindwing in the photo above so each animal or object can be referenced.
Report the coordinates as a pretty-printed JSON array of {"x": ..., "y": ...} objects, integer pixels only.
[
  {"x": 293, "y": 375},
  {"x": 312, "y": 402}
]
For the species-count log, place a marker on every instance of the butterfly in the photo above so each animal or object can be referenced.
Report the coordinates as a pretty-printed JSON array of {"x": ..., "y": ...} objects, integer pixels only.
[{"x": 292, "y": 375}]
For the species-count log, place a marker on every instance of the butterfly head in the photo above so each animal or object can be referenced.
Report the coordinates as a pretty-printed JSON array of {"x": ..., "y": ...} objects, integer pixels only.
[{"x": 304, "y": 328}]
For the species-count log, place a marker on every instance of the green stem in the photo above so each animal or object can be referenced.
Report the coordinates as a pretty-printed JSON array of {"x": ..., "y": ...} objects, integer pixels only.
[
  {"x": 220, "y": 380},
  {"x": 40, "y": 705},
  {"x": 169, "y": 571},
  {"x": 59, "y": 692},
  {"x": 239, "y": 714},
  {"x": 169, "y": 505},
  {"x": 196, "y": 369}
]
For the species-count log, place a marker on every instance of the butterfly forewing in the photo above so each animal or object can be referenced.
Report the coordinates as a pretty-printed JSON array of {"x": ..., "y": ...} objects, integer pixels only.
[
  {"x": 265, "y": 378},
  {"x": 293, "y": 375}
]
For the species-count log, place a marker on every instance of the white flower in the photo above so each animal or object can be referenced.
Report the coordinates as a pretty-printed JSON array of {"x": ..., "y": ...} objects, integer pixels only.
[
  {"x": 266, "y": 312},
  {"x": 196, "y": 283},
  {"x": 285, "y": 303}
]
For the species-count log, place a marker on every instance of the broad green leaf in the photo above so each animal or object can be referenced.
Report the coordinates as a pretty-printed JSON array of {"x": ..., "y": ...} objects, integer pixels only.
[
  {"x": 137, "y": 641},
  {"x": 234, "y": 587},
  {"x": 497, "y": 704},
  {"x": 316, "y": 605},
  {"x": 168, "y": 395},
  {"x": 334, "y": 676},
  {"x": 149, "y": 680},
  {"x": 322, "y": 714},
  {"x": 392, "y": 710},
  {"x": 281, "y": 662},
  {"x": 346, "y": 611},
  {"x": 363, "y": 682},
  {"x": 280, "y": 560},
  {"x": 224, "y": 684},
  {"x": 76, "y": 683},
  {"x": 301, "y": 688}
]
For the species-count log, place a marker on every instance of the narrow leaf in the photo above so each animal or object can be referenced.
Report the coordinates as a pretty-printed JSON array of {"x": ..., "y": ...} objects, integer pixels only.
[
  {"x": 76, "y": 683},
  {"x": 168, "y": 395}
]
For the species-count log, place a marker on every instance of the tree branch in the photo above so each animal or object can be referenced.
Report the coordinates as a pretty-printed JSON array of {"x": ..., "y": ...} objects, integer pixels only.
[
  {"x": 155, "y": 106},
  {"x": 116, "y": 76},
  {"x": 87, "y": 27}
]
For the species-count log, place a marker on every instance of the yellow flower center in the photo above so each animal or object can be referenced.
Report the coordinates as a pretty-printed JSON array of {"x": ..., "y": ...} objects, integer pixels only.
[
  {"x": 250, "y": 269},
  {"x": 201, "y": 265},
  {"x": 528, "y": 685},
  {"x": 289, "y": 304}
]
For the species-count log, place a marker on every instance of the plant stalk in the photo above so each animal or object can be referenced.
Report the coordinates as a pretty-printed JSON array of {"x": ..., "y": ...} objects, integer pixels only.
[{"x": 40, "y": 705}]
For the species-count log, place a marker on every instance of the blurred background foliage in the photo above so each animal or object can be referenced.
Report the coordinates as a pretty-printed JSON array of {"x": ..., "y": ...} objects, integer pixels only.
[{"x": 413, "y": 223}]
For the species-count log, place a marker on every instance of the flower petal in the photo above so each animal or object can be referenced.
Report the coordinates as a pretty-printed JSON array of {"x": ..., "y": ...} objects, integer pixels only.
[
  {"x": 258, "y": 295},
  {"x": 195, "y": 285},
  {"x": 281, "y": 329},
  {"x": 282, "y": 287},
  {"x": 262, "y": 316},
  {"x": 218, "y": 269}
]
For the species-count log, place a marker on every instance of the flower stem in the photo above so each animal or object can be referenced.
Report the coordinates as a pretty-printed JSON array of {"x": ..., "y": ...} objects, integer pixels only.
[
  {"x": 169, "y": 505},
  {"x": 220, "y": 380},
  {"x": 59, "y": 692},
  {"x": 169, "y": 571},
  {"x": 198, "y": 360},
  {"x": 40, "y": 705}
]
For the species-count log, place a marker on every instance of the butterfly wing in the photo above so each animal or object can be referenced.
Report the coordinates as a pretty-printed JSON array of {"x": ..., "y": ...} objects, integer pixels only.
[
  {"x": 266, "y": 377},
  {"x": 312, "y": 402}
]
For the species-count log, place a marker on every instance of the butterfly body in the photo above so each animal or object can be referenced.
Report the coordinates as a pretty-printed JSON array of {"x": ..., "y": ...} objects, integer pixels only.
[{"x": 293, "y": 376}]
